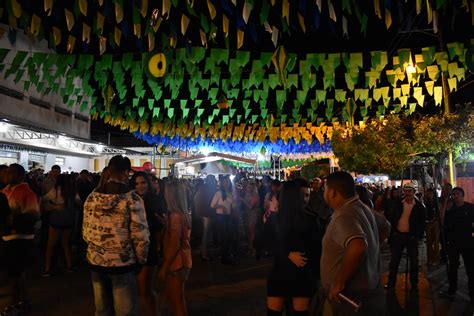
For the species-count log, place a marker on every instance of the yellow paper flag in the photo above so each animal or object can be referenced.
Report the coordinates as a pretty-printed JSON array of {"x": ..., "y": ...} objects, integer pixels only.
[
  {"x": 173, "y": 42},
  {"x": 246, "y": 11},
  {"x": 438, "y": 95},
  {"x": 165, "y": 9},
  {"x": 202, "y": 34},
  {"x": 285, "y": 11},
  {"x": 118, "y": 12},
  {"x": 86, "y": 33},
  {"x": 429, "y": 87},
  {"x": 71, "y": 41},
  {"x": 184, "y": 24},
  {"x": 388, "y": 18},
  {"x": 429, "y": 11},
  {"x": 151, "y": 41},
  {"x": 225, "y": 25},
  {"x": 83, "y": 7},
  {"x": 102, "y": 44},
  {"x": 17, "y": 10},
  {"x": 100, "y": 23},
  {"x": 378, "y": 12},
  {"x": 48, "y": 7},
  {"x": 69, "y": 19},
  {"x": 35, "y": 24},
  {"x": 137, "y": 30},
  {"x": 453, "y": 84},
  {"x": 240, "y": 38},
  {"x": 301, "y": 21},
  {"x": 117, "y": 35},
  {"x": 212, "y": 9},
  {"x": 56, "y": 35},
  {"x": 12, "y": 21},
  {"x": 144, "y": 8}
]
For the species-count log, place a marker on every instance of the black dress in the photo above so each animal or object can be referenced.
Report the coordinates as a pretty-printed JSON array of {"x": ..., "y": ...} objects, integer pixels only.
[
  {"x": 154, "y": 211},
  {"x": 285, "y": 278}
]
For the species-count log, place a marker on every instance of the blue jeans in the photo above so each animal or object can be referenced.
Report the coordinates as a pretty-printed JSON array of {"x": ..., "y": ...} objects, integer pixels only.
[{"x": 115, "y": 294}]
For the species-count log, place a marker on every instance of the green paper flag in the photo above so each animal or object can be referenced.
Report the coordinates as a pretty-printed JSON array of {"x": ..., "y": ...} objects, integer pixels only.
[
  {"x": 280, "y": 98},
  {"x": 212, "y": 95},
  {"x": 156, "y": 112},
  {"x": 247, "y": 113},
  {"x": 301, "y": 96},
  {"x": 141, "y": 111},
  {"x": 198, "y": 54},
  {"x": 242, "y": 58},
  {"x": 199, "y": 112},
  {"x": 3, "y": 54},
  {"x": 321, "y": 96},
  {"x": 245, "y": 104},
  {"x": 225, "y": 119},
  {"x": 266, "y": 58},
  {"x": 151, "y": 103},
  {"x": 340, "y": 95},
  {"x": 106, "y": 61},
  {"x": 428, "y": 54},
  {"x": 264, "y": 12},
  {"x": 197, "y": 103},
  {"x": 135, "y": 102},
  {"x": 127, "y": 61},
  {"x": 273, "y": 81},
  {"x": 412, "y": 108},
  {"x": 329, "y": 108},
  {"x": 170, "y": 113},
  {"x": 166, "y": 103},
  {"x": 185, "y": 112},
  {"x": 193, "y": 92},
  {"x": 292, "y": 81}
]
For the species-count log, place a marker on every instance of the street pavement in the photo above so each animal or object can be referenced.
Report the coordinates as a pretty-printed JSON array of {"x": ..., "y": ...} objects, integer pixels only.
[{"x": 214, "y": 289}]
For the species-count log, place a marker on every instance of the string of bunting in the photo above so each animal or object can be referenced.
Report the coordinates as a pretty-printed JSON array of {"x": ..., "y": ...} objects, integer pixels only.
[
  {"x": 107, "y": 24},
  {"x": 288, "y": 150},
  {"x": 212, "y": 88}
]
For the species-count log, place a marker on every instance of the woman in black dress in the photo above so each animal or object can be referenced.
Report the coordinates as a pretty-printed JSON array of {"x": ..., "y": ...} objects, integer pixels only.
[
  {"x": 140, "y": 182},
  {"x": 294, "y": 242}
]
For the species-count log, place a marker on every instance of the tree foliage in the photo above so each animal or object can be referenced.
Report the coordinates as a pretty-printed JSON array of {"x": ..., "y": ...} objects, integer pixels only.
[{"x": 386, "y": 146}]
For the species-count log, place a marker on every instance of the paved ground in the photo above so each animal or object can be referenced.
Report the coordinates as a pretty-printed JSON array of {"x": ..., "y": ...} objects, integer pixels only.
[{"x": 215, "y": 289}]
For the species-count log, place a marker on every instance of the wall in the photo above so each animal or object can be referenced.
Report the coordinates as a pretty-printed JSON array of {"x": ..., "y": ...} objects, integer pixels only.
[
  {"x": 23, "y": 111},
  {"x": 467, "y": 184}
]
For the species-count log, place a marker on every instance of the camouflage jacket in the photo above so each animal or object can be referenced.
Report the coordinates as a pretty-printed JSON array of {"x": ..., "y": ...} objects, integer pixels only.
[{"x": 115, "y": 229}]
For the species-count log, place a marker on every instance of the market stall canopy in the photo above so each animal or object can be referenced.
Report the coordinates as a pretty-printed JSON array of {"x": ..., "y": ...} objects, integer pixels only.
[{"x": 214, "y": 156}]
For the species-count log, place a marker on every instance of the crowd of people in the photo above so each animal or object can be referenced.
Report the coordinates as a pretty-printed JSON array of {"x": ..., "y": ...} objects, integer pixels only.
[{"x": 324, "y": 236}]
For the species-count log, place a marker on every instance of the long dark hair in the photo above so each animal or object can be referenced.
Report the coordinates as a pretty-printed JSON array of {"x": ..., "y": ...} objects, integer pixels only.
[
  {"x": 145, "y": 176},
  {"x": 222, "y": 189},
  {"x": 68, "y": 187},
  {"x": 291, "y": 205}
]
